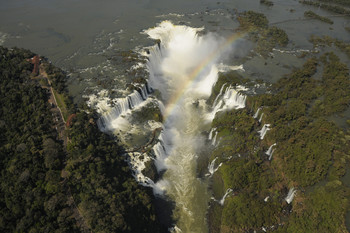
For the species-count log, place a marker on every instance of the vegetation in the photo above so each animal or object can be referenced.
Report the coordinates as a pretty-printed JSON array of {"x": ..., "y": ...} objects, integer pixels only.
[
  {"x": 313, "y": 15},
  {"x": 321, "y": 211},
  {"x": 251, "y": 19},
  {"x": 329, "y": 41},
  {"x": 340, "y": 2},
  {"x": 237, "y": 219},
  {"x": 46, "y": 187},
  {"x": 32, "y": 199},
  {"x": 266, "y": 2},
  {"x": 148, "y": 112},
  {"x": 256, "y": 24},
  {"x": 333, "y": 8},
  {"x": 309, "y": 149},
  {"x": 107, "y": 195}
]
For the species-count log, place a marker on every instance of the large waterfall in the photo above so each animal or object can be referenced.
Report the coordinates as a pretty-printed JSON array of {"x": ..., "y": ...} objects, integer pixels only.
[
  {"x": 183, "y": 68},
  {"x": 178, "y": 71}
]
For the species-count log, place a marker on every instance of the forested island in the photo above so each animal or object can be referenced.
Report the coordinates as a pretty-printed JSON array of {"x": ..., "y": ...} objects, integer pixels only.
[{"x": 68, "y": 179}]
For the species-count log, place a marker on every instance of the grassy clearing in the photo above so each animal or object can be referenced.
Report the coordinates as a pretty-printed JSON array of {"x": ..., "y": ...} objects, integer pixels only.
[{"x": 61, "y": 104}]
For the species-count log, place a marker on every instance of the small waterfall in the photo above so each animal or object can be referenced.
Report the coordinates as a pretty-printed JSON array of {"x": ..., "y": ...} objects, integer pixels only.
[
  {"x": 122, "y": 106},
  {"x": 211, "y": 167},
  {"x": 222, "y": 201},
  {"x": 231, "y": 99},
  {"x": 162, "y": 149},
  {"x": 268, "y": 152},
  {"x": 257, "y": 113},
  {"x": 290, "y": 195},
  {"x": 270, "y": 157},
  {"x": 260, "y": 119},
  {"x": 137, "y": 162},
  {"x": 210, "y": 137},
  {"x": 214, "y": 139},
  {"x": 160, "y": 153},
  {"x": 144, "y": 91},
  {"x": 135, "y": 99},
  {"x": 264, "y": 130},
  {"x": 218, "y": 96},
  {"x": 266, "y": 198}
]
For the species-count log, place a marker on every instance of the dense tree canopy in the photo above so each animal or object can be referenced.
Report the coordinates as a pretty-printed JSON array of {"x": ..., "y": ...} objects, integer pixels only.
[{"x": 46, "y": 187}]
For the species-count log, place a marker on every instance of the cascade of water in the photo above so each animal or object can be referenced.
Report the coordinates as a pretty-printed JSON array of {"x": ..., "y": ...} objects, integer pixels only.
[
  {"x": 257, "y": 112},
  {"x": 231, "y": 99},
  {"x": 122, "y": 106},
  {"x": 214, "y": 138},
  {"x": 176, "y": 69},
  {"x": 135, "y": 99},
  {"x": 290, "y": 195},
  {"x": 270, "y": 157},
  {"x": 222, "y": 201},
  {"x": 144, "y": 91},
  {"x": 211, "y": 167},
  {"x": 268, "y": 152},
  {"x": 264, "y": 130},
  {"x": 219, "y": 95},
  {"x": 211, "y": 133},
  {"x": 260, "y": 119},
  {"x": 160, "y": 153},
  {"x": 182, "y": 67}
]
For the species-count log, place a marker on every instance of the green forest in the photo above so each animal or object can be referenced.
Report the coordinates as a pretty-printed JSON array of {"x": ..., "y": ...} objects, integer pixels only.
[
  {"x": 75, "y": 180},
  {"x": 311, "y": 153}
]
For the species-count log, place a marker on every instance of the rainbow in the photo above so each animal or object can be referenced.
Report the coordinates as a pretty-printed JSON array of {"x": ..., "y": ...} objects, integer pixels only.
[{"x": 176, "y": 97}]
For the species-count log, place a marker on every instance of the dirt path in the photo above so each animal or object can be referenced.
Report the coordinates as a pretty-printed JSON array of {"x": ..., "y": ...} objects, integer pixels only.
[
  {"x": 60, "y": 126},
  {"x": 59, "y": 122}
]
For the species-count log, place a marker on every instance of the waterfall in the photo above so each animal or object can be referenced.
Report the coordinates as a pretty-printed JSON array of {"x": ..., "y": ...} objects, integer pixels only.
[
  {"x": 264, "y": 130},
  {"x": 222, "y": 200},
  {"x": 160, "y": 153},
  {"x": 214, "y": 139},
  {"x": 270, "y": 157},
  {"x": 177, "y": 70},
  {"x": 231, "y": 99},
  {"x": 260, "y": 119},
  {"x": 211, "y": 167},
  {"x": 219, "y": 95},
  {"x": 210, "y": 137},
  {"x": 269, "y": 151},
  {"x": 183, "y": 68},
  {"x": 134, "y": 99},
  {"x": 137, "y": 162},
  {"x": 108, "y": 120},
  {"x": 144, "y": 91},
  {"x": 257, "y": 113},
  {"x": 290, "y": 195}
]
